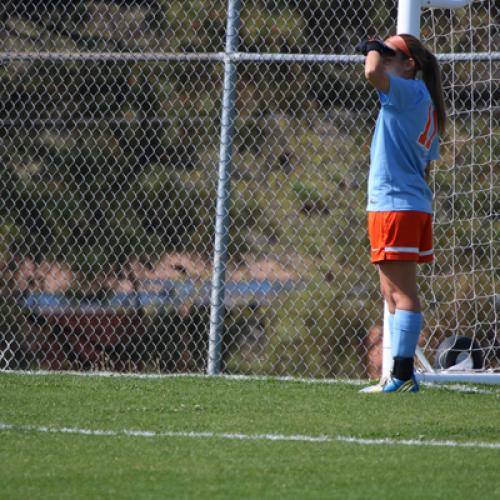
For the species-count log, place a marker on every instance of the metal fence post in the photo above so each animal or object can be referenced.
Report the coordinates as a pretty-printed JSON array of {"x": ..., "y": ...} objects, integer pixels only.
[{"x": 223, "y": 196}]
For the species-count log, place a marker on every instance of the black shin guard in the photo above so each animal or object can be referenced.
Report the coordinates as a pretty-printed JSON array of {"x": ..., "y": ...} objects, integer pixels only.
[{"x": 403, "y": 368}]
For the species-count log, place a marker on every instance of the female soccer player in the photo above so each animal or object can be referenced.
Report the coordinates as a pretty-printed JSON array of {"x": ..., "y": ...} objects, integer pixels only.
[{"x": 412, "y": 115}]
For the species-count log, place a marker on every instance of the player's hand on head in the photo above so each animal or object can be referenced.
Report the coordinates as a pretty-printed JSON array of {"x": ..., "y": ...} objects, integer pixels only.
[
  {"x": 361, "y": 47},
  {"x": 373, "y": 44}
]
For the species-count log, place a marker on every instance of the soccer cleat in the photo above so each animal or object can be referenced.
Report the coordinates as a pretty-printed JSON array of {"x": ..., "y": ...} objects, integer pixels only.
[
  {"x": 377, "y": 387},
  {"x": 373, "y": 388},
  {"x": 393, "y": 385},
  {"x": 397, "y": 385}
]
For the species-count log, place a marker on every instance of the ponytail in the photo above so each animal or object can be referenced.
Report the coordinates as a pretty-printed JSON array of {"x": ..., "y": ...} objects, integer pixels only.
[{"x": 426, "y": 62}]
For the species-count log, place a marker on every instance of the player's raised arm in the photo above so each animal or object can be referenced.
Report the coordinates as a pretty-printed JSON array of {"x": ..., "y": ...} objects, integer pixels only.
[
  {"x": 374, "y": 71},
  {"x": 375, "y": 52}
]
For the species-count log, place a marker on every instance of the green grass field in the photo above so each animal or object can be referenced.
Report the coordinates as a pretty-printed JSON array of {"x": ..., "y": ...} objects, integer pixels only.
[{"x": 409, "y": 464}]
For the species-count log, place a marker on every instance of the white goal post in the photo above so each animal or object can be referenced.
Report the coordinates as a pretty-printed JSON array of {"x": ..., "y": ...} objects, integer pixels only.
[{"x": 409, "y": 14}]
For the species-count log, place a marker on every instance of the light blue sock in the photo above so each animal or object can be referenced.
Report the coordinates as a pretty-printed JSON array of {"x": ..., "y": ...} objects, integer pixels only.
[
  {"x": 390, "y": 319},
  {"x": 406, "y": 327}
]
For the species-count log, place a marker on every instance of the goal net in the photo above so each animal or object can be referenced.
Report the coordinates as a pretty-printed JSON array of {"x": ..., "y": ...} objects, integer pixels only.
[{"x": 462, "y": 287}]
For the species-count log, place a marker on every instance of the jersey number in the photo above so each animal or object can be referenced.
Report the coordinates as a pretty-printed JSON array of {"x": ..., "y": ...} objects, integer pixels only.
[{"x": 424, "y": 138}]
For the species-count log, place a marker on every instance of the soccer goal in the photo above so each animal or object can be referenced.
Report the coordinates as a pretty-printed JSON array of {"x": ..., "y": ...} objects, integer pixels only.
[{"x": 462, "y": 334}]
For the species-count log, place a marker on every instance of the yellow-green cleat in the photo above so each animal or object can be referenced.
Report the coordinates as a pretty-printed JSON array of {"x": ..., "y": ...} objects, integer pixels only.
[{"x": 393, "y": 385}]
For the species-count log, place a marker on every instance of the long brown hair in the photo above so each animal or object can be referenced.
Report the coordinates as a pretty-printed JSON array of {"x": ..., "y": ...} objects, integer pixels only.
[{"x": 426, "y": 61}]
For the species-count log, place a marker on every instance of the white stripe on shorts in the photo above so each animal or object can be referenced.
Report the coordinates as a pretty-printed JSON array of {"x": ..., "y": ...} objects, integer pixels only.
[
  {"x": 427, "y": 252},
  {"x": 402, "y": 249},
  {"x": 409, "y": 250}
]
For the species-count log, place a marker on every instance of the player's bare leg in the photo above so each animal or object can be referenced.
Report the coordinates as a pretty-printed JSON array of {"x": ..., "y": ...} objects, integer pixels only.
[{"x": 398, "y": 284}]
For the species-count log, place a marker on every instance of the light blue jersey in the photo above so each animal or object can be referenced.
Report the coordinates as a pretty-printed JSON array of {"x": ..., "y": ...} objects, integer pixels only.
[{"x": 405, "y": 139}]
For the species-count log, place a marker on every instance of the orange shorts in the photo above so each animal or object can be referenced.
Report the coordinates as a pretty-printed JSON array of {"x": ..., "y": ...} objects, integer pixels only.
[{"x": 400, "y": 236}]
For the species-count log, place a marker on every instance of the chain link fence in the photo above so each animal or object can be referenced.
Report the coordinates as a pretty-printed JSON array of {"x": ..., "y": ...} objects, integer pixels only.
[{"x": 110, "y": 117}]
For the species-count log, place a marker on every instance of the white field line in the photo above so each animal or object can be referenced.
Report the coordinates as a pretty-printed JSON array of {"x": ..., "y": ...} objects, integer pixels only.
[
  {"x": 105, "y": 374},
  {"x": 251, "y": 437}
]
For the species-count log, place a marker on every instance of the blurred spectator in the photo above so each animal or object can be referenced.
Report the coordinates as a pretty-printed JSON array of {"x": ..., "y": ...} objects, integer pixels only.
[{"x": 373, "y": 345}]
